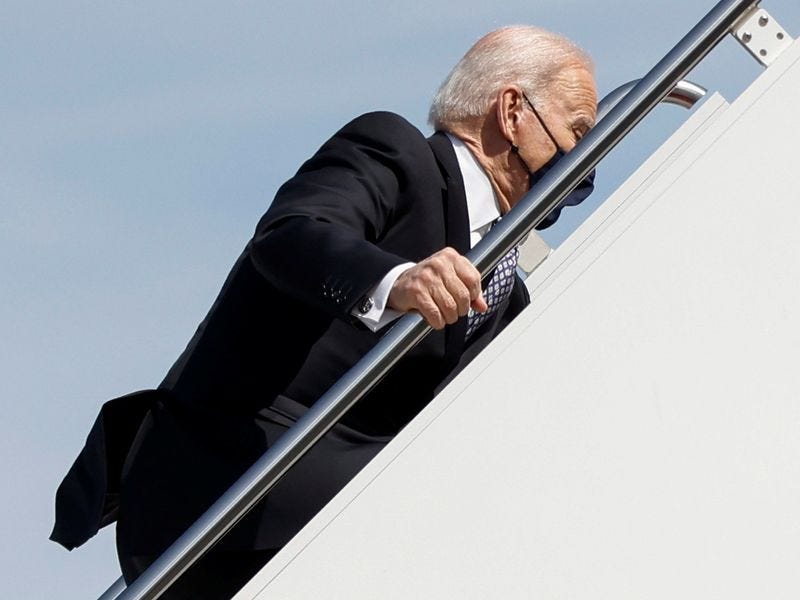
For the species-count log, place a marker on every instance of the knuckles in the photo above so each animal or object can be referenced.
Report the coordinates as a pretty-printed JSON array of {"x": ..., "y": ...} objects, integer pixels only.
[
  {"x": 437, "y": 263},
  {"x": 472, "y": 279}
]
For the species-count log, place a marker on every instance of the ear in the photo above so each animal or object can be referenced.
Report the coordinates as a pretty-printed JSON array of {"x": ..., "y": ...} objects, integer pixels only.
[{"x": 509, "y": 107}]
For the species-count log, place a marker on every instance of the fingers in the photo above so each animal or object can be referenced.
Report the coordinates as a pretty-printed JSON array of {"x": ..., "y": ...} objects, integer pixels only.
[
  {"x": 442, "y": 288},
  {"x": 471, "y": 278},
  {"x": 429, "y": 309}
]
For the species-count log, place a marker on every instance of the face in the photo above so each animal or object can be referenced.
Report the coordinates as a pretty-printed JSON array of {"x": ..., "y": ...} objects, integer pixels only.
[{"x": 567, "y": 119}]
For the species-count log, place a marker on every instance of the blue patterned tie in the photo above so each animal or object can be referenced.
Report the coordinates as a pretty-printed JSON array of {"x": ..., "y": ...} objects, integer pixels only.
[{"x": 497, "y": 290}]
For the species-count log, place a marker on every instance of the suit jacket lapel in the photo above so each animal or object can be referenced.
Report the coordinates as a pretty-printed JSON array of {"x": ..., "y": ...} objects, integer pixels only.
[
  {"x": 457, "y": 223},
  {"x": 455, "y": 198}
]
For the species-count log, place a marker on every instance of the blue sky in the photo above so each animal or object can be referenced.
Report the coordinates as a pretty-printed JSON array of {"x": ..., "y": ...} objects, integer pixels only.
[{"x": 139, "y": 144}]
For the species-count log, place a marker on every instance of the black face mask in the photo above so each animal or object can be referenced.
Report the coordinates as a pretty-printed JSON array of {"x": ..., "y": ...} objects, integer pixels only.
[{"x": 576, "y": 196}]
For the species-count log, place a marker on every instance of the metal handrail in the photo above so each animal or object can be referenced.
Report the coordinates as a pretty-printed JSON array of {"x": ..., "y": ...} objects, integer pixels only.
[
  {"x": 532, "y": 209},
  {"x": 112, "y": 592}
]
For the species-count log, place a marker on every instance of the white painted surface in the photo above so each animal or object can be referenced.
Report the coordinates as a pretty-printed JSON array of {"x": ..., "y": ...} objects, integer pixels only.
[
  {"x": 532, "y": 252},
  {"x": 635, "y": 433}
]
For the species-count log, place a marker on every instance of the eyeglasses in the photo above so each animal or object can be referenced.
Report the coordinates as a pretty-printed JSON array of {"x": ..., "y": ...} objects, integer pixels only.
[{"x": 542, "y": 123}]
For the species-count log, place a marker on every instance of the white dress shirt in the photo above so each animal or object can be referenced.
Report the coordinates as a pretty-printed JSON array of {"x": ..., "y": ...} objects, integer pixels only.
[{"x": 482, "y": 211}]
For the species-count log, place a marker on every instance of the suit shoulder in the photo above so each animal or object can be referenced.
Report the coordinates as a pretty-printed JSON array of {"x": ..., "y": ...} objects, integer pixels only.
[
  {"x": 385, "y": 127},
  {"x": 382, "y": 118}
]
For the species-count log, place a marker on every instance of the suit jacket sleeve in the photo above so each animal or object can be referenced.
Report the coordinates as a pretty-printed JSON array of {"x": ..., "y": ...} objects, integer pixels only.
[{"x": 320, "y": 240}]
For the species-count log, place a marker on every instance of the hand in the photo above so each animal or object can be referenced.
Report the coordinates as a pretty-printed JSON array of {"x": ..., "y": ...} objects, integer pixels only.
[{"x": 441, "y": 288}]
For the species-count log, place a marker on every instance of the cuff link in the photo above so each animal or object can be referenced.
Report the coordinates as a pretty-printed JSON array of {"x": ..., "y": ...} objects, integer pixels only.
[{"x": 365, "y": 305}]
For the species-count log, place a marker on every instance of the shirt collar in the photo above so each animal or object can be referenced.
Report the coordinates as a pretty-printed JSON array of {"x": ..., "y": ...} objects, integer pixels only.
[{"x": 482, "y": 206}]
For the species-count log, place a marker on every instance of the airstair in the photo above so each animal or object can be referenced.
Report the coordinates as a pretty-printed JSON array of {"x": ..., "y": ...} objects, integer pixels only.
[{"x": 634, "y": 432}]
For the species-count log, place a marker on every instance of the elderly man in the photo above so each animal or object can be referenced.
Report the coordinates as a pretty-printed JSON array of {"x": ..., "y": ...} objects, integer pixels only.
[{"x": 374, "y": 225}]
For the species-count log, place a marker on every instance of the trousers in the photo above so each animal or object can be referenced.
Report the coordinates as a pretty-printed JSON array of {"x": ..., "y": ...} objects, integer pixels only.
[{"x": 327, "y": 467}]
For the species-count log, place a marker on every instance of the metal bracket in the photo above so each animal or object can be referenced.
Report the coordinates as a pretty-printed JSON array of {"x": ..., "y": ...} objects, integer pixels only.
[{"x": 762, "y": 36}]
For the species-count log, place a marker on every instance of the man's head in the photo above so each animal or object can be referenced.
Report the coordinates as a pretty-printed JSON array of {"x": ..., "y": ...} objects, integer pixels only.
[{"x": 517, "y": 97}]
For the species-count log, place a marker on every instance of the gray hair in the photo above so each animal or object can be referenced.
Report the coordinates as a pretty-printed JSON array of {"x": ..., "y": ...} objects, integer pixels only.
[{"x": 522, "y": 55}]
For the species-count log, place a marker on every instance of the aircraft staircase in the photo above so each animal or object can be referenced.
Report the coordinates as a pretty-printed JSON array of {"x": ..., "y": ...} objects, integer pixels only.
[{"x": 634, "y": 433}]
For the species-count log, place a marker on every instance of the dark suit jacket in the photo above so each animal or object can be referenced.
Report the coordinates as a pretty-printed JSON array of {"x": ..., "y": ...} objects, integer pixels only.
[{"x": 375, "y": 195}]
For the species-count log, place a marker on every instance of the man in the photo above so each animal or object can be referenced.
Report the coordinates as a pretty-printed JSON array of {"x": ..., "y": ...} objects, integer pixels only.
[{"x": 374, "y": 225}]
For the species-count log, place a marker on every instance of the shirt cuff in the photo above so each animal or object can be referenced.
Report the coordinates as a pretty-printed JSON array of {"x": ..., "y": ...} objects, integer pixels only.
[{"x": 378, "y": 315}]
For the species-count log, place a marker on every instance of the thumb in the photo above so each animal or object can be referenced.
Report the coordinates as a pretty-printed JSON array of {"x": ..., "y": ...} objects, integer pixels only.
[{"x": 479, "y": 304}]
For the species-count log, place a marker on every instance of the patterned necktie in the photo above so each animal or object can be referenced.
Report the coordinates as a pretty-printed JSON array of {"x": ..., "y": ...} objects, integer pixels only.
[{"x": 497, "y": 290}]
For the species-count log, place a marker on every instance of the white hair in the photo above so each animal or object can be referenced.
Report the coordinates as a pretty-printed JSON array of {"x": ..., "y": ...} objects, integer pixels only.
[{"x": 522, "y": 55}]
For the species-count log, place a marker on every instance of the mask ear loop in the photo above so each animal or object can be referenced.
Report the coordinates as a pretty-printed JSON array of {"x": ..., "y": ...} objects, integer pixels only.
[{"x": 515, "y": 150}]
